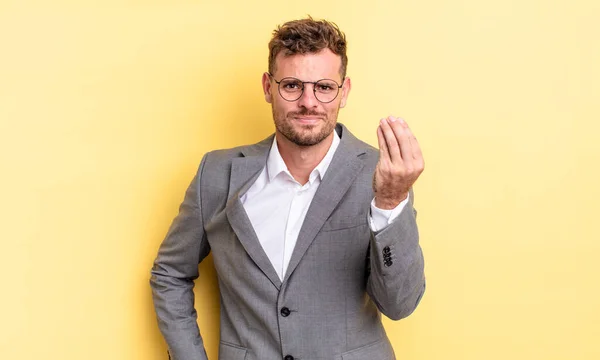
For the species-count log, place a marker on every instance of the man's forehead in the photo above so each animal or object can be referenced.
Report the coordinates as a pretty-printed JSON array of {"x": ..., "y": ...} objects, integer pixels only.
[{"x": 309, "y": 66}]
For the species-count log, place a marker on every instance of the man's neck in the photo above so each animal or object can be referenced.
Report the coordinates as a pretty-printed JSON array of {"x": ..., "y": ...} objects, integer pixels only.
[{"x": 302, "y": 160}]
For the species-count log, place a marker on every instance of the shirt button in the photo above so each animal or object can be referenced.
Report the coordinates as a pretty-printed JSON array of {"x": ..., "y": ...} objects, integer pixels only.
[
  {"x": 285, "y": 312},
  {"x": 288, "y": 357}
]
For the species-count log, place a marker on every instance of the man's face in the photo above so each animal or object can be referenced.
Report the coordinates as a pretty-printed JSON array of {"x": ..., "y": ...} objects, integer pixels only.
[{"x": 306, "y": 121}]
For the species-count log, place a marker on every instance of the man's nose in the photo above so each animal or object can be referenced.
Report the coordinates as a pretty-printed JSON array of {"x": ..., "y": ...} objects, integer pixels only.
[{"x": 308, "y": 99}]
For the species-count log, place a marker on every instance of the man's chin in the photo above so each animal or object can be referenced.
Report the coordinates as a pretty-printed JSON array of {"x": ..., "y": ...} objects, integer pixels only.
[
  {"x": 303, "y": 134},
  {"x": 307, "y": 138}
]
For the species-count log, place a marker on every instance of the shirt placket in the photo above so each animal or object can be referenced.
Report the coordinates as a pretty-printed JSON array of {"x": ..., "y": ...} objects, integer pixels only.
[{"x": 292, "y": 224}]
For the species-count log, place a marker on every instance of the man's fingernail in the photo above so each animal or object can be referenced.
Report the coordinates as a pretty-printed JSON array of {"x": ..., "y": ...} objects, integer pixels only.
[
  {"x": 382, "y": 121},
  {"x": 401, "y": 121},
  {"x": 392, "y": 119}
]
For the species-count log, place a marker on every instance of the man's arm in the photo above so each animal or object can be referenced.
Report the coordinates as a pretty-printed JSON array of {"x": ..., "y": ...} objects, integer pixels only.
[
  {"x": 173, "y": 275},
  {"x": 396, "y": 280}
]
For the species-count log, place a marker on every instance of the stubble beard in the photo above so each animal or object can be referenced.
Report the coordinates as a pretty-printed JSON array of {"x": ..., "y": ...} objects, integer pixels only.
[{"x": 305, "y": 137}]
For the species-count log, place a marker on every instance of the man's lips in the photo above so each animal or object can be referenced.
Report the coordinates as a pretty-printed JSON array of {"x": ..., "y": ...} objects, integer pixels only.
[{"x": 307, "y": 119}]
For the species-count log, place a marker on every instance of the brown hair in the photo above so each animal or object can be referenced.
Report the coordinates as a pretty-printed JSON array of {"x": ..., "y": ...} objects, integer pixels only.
[{"x": 307, "y": 36}]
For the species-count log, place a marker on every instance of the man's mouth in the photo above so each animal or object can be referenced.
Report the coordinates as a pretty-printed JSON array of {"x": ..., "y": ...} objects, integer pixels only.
[{"x": 307, "y": 120}]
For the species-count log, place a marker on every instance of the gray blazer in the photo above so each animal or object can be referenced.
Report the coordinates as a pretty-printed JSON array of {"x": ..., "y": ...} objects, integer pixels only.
[{"x": 340, "y": 277}]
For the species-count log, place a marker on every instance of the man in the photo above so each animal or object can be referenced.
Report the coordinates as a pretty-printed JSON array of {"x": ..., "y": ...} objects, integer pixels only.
[{"x": 312, "y": 231}]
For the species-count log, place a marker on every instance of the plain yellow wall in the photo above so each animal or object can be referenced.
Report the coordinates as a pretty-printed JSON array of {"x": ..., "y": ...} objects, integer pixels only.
[{"x": 106, "y": 108}]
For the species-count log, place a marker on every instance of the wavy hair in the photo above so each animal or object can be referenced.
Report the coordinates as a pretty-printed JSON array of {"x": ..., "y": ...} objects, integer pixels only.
[{"x": 307, "y": 36}]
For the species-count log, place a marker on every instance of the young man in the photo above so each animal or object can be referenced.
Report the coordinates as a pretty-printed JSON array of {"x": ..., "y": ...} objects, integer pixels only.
[{"x": 312, "y": 231}]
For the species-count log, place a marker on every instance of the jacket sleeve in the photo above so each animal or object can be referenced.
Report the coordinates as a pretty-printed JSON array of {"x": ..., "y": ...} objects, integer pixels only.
[
  {"x": 173, "y": 275},
  {"x": 396, "y": 280}
]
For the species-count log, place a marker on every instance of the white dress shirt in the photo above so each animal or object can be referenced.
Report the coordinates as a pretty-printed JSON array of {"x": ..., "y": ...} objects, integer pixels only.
[{"x": 277, "y": 204}]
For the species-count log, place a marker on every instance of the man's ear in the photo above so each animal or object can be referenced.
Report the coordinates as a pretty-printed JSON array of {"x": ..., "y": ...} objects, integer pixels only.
[
  {"x": 345, "y": 91},
  {"x": 266, "y": 83}
]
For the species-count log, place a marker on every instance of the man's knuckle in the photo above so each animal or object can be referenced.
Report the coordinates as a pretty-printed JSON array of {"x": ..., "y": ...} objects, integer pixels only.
[{"x": 398, "y": 171}]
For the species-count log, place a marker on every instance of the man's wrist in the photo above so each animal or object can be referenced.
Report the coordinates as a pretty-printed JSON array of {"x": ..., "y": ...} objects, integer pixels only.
[{"x": 388, "y": 203}]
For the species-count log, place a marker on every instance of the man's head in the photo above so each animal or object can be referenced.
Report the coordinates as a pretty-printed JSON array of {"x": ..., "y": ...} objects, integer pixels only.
[{"x": 308, "y": 51}]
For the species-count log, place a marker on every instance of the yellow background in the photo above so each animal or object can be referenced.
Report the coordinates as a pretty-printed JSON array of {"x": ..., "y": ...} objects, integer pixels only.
[{"x": 106, "y": 108}]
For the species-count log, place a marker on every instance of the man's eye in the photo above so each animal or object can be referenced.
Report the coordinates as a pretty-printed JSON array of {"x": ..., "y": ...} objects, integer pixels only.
[
  {"x": 292, "y": 86},
  {"x": 325, "y": 87}
]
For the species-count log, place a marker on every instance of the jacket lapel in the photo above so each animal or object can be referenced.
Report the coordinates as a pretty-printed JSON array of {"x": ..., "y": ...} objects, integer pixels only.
[
  {"x": 342, "y": 171},
  {"x": 244, "y": 172}
]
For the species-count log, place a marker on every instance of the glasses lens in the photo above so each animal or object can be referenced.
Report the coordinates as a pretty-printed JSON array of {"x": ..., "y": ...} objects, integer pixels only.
[
  {"x": 290, "y": 88},
  {"x": 326, "y": 90}
]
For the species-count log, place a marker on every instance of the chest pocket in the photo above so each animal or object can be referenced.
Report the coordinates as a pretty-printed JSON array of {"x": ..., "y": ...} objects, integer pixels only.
[{"x": 339, "y": 222}]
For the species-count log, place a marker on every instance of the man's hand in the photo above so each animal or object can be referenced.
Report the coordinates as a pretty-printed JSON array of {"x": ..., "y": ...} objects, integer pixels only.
[{"x": 400, "y": 163}]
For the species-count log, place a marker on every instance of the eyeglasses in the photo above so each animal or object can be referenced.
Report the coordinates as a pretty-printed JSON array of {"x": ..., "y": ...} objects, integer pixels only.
[{"x": 291, "y": 89}]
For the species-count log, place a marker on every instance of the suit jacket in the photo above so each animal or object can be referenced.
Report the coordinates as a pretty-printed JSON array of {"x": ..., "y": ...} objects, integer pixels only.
[{"x": 341, "y": 275}]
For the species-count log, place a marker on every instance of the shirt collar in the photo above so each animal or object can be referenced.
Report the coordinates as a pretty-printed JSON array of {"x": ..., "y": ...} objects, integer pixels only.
[{"x": 276, "y": 165}]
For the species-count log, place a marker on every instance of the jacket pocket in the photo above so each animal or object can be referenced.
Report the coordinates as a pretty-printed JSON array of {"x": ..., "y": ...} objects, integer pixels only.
[
  {"x": 379, "y": 350},
  {"x": 340, "y": 222},
  {"x": 231, "y": 352}
]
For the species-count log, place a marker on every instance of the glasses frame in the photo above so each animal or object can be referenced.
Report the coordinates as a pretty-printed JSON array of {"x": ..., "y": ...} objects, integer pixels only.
[{"x": 314, "y": 83}]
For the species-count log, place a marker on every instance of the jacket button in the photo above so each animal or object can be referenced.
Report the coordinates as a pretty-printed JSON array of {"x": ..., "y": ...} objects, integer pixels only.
[
  {"x": 386, "y": 250},
  {"x": 388, "y": 263},
  {"x": 285, "y": 312},
  {"x": 288, "y": 357}
]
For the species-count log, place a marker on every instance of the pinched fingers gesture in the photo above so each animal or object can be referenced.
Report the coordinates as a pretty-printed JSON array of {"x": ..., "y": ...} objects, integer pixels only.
[{"x": 400, "y": 162}]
